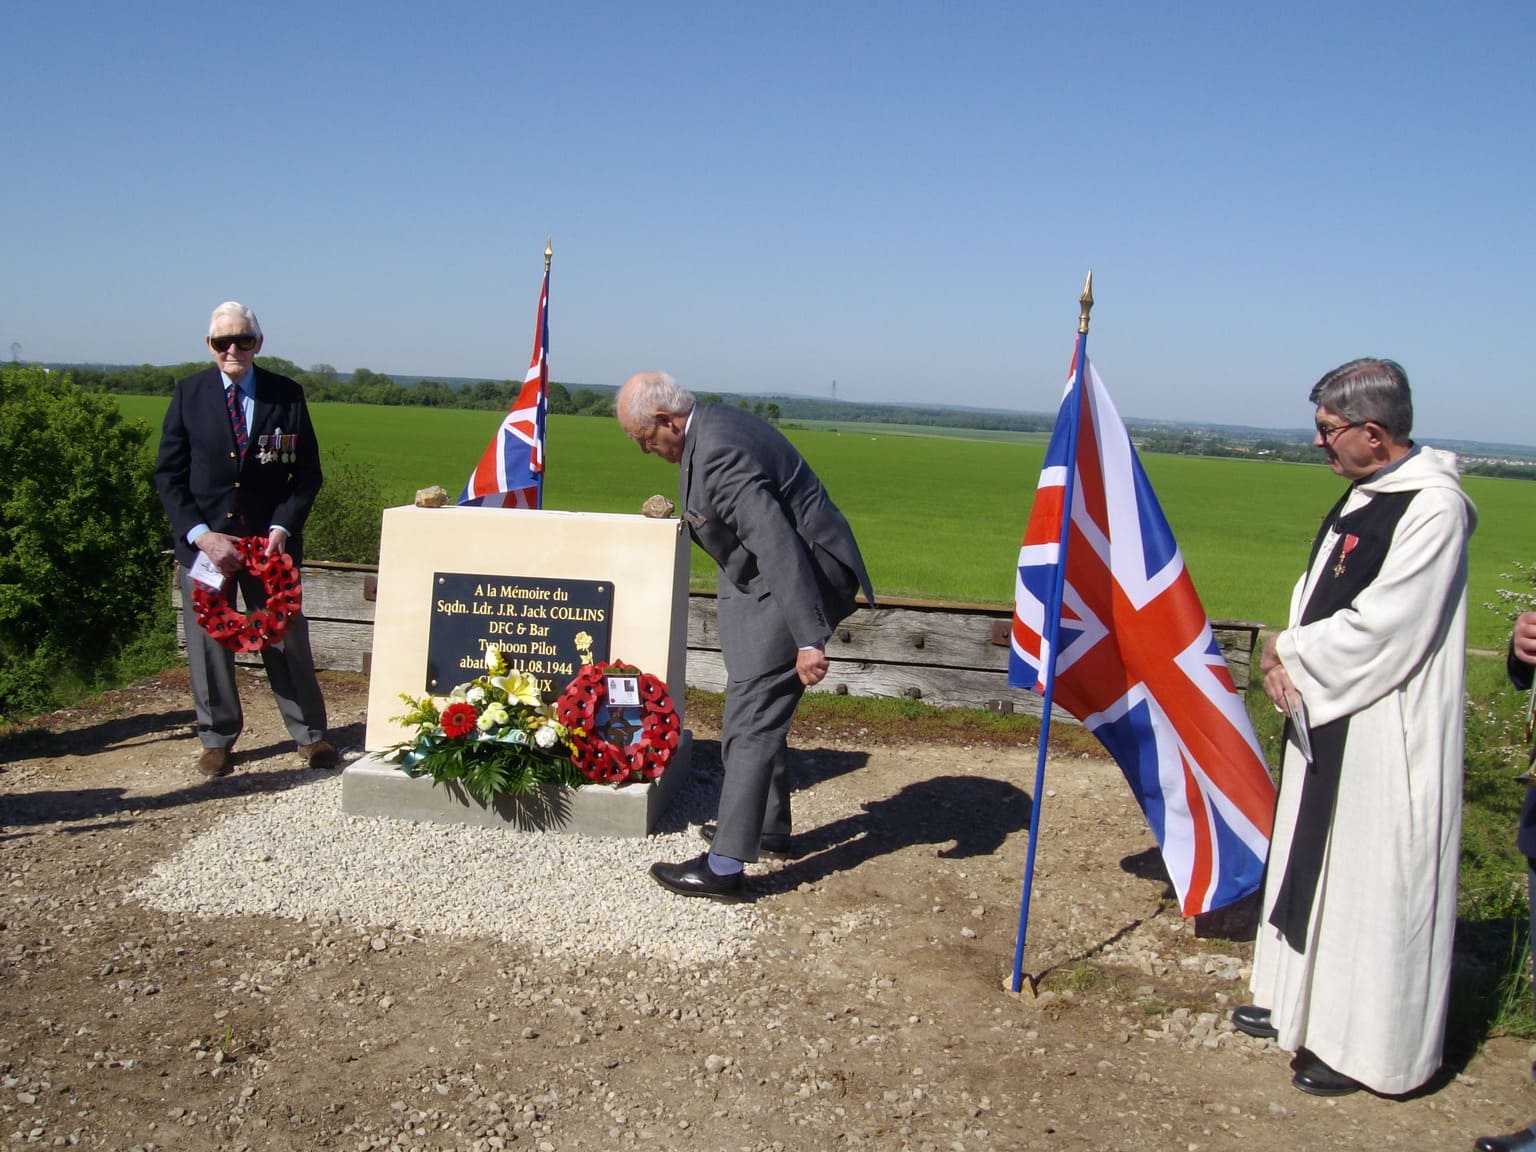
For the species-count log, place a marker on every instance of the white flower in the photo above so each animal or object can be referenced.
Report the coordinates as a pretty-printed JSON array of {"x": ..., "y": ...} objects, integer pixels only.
[
  {"x": 475, "y": 695},
  {"x": 495, "y": 663},
  {"x": 545, "y": 738},
  {"x": 495, "y": 716}
]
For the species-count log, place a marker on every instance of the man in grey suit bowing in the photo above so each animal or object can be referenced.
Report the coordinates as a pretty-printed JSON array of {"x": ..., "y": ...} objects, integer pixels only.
[{"x": 789, "y": 571}]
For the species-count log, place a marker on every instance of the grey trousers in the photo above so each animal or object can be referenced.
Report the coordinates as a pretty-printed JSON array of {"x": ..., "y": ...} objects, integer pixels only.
[
  {"x": 290, "y": 672},
  {"x": 753, "y": 746}
]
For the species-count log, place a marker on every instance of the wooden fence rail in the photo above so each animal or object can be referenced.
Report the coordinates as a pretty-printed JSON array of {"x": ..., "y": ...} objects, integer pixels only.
[{"x": 949, "y": 655}]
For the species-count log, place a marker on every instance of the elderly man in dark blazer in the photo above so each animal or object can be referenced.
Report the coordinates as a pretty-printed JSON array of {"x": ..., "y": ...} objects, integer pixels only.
[
  {"x": 238, "y": 458},
  {"x": 789, "y": 571}
]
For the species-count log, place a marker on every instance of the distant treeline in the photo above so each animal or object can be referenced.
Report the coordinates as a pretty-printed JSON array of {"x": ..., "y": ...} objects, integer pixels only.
[
  {"x": 1176, "y": 442},
  {"x": 323, "y": 383}
]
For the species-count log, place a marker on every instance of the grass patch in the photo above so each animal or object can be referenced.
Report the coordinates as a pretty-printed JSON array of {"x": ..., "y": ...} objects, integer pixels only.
[{"x": 938, "y": 516}]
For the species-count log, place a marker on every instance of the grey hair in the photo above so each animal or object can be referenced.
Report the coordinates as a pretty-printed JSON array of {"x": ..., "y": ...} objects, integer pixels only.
[
  {"x": 647, "y": 393},
  {"x": 234, "y": 308},
  {"x": 1369, "y": 389}
]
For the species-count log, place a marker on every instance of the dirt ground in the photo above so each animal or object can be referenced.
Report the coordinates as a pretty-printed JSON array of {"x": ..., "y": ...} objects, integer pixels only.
[{"x": 873, "y": 1012}]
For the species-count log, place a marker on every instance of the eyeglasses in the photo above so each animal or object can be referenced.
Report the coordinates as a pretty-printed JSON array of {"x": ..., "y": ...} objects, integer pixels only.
[
  {"x": 646, "y": 436},
  {"x": 245, "y": 342},
  {"x": 1329, "y": 433}
]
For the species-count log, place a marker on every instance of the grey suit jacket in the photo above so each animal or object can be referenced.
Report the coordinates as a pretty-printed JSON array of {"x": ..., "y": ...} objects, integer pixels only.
[{"x": 789, "y": 565}]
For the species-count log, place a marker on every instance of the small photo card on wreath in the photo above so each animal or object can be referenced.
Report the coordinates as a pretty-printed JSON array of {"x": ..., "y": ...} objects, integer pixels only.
[{"x": 623, "y": 692}]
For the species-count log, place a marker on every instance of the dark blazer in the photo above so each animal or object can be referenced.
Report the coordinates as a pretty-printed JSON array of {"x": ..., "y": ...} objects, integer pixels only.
[
  {"x": 789, "y": 565},
  {"x": 201, "y": 479},
  {"x": 1520, "y": 674}
]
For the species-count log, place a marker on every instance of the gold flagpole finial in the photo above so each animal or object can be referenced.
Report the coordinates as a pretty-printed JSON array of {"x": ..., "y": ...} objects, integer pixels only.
[
  {"x": 549, "y": 251},
  {"x": 1086, "y": 300}
]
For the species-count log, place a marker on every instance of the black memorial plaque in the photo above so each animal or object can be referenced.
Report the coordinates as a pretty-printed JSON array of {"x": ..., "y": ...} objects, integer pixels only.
[{"x": 546, "y": 628}]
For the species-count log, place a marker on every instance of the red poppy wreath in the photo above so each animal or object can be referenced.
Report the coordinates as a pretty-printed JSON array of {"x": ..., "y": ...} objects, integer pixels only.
[
  {"x": 264, "y": 626},
  {"x": 596, "y": 756}
]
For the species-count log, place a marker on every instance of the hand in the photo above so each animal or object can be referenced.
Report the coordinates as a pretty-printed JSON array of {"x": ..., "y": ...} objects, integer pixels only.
[
  {"x": 1277, "y": 681},
  {"x": 811, "y": 666},
  {"x": 277, "y": 542},
  {"x": 1278, "y": 687},
  {"x": 1524, "y": 639},
  {"x": 222, "y": 551}
]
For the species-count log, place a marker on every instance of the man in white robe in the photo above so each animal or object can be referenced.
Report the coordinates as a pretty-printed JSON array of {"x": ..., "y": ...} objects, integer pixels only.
[{"x": 1353, "y": 958}]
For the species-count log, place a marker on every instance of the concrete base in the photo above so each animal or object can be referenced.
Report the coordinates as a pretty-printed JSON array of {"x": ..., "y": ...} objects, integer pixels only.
[{"x": 373, "y": 787}]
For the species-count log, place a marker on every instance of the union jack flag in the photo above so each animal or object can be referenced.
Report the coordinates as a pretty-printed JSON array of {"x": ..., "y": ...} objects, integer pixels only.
[
  {"x": 511, "y": 473},
  {"x": 1135, "y": 657}
]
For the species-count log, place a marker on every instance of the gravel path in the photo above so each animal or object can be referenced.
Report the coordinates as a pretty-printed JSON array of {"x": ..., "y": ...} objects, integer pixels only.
[{"x": 295, "y": 854}]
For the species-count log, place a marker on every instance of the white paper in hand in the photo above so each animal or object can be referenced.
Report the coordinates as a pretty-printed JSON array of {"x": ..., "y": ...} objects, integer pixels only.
[
  {"x": 204, "y": 572},
  {"x": 1296, "y": 709}
]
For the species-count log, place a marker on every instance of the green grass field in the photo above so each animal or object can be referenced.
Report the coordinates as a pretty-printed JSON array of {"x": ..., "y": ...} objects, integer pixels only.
[{"x": 938, "y": 516}]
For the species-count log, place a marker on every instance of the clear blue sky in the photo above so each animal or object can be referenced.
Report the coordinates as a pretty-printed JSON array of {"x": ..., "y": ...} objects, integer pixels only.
[{"x": 903, "y": 198}]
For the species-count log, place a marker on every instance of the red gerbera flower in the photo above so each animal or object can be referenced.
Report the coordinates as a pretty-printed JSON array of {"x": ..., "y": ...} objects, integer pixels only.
[{"x": 459, "y": 720}]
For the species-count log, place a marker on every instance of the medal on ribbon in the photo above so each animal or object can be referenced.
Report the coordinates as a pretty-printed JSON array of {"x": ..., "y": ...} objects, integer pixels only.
[{"x": 1345, "y": 549}]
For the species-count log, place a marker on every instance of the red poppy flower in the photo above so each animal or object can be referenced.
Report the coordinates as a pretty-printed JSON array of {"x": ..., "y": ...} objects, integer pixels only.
[
  {"x": 252, "y": 633},
  {"x": 459, "y": 720},
  {"x": 595, "y": 756}
]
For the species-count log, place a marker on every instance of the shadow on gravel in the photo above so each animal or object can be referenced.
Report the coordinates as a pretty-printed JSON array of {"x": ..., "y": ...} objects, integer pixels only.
[
  {"x": 20, "y": 809},
  {"x": 118, "y": 732},
  {"x": 251, "y": 777},
  {"x": 700, "y": 798},
  {"x": 974, "y": 813}
]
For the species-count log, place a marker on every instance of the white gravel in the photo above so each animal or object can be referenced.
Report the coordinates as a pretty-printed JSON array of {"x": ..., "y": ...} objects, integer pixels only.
[{"x": 297, "y": 855}]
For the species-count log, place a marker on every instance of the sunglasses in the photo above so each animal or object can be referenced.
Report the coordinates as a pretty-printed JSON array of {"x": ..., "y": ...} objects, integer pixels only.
[{"x": 245, "y": 342}]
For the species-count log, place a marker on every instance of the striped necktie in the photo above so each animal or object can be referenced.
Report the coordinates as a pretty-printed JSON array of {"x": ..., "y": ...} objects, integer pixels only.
[{"x": 237, "y": 418}]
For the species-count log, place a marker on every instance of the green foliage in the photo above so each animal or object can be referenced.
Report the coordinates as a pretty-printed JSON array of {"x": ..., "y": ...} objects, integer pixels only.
[
  {"x": 81, "y": 536},
  {"x": 1511, "y": 602},
  {"x": 344, "y": 524},
  {"x": 590, "y": 402}
]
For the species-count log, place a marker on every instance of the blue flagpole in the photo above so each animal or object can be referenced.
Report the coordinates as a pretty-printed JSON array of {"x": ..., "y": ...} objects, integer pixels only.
[{"x": 1052, "y": 629}]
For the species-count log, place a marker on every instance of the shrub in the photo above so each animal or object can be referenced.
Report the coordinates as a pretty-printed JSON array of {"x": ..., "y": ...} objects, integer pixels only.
[
  {"x": 344, "y": 524},
  {"x": 82, "y": 537}
]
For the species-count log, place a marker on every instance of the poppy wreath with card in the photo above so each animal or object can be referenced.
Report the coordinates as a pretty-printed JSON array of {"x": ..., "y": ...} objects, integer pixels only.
[
  {"x": 266, "y": 625},
  {"x": 615, "y": 752}
]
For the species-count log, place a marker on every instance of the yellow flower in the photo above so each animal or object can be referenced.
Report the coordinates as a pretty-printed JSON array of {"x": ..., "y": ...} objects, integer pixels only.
[
  {"x": 495, "y": 663},
  {"x": 520, "y": 688}
]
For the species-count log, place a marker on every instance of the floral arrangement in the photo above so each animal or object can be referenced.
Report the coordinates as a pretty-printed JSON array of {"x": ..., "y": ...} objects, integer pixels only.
[
  {"x": 609, "y": 749},
  {"x": 494, "y": 734},
  {"x": 265, "y": 626}
]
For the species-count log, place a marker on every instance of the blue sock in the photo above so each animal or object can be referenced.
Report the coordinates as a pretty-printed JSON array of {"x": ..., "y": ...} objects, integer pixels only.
[{"x": 723, "y": 865}]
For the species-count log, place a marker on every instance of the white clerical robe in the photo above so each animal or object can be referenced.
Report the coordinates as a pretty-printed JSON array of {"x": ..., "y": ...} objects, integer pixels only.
[{"x": 1368, "y": 993}]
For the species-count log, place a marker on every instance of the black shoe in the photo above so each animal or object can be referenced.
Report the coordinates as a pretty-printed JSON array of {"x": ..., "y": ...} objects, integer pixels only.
[
  {"x": 1315, "y": 1077},
  {"x": 1252, "y": 1019},
  {"x": 693, "y": 878},
  {"x": 773, "y": 845},
  {"x": 1521, "y": 1141}
]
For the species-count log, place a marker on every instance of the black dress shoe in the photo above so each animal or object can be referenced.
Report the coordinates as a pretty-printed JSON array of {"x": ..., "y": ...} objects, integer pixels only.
[
  {"x": 1315, "y": 1077},
  {"x": 1521, "y": 1141},
  {"x": 693, "y": 878},
  {"x": 1252, "y": 1019},
  {"x": 773, "y": 845}
]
